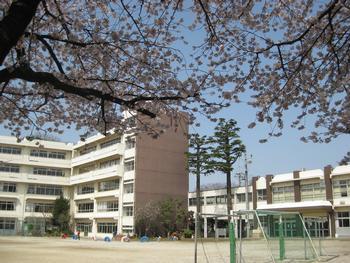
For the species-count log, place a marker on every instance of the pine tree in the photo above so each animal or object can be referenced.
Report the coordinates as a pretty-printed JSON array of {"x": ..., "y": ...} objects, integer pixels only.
[
  {"x": 227, "y": 147},
  {"x": 199, "y": 163}
]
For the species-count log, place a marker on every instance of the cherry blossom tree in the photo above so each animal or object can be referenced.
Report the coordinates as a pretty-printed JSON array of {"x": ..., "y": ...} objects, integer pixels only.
[
  {"x": 65, "y": 61},
  {"x": 284, "y": 54},
  {"x": 82, "y": 63}
]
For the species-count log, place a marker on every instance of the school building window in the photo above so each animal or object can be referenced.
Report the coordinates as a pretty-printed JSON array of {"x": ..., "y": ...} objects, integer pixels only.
[
  {"x": 108, "y": 185},
  {"x": 128, "y": 211},
  {"x": 85, "y": 207},
  {"x": 7, "y": 205},
  {"x": 9, "y": 150},
  {"x": 9, "y": 168},
  {"x": 343, "y": 219},
  {"x": 107, "y": 227},
  {"x": 8, "y": 187}
]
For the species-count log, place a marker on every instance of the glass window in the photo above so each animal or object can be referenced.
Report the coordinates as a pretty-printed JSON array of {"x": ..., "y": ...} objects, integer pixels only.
[
  {"x": 107, "y": 206},
  {"x": 341, "y": 188},
  {"x": 9, "y": 150},
  {"x": 47, "y": 154},
  {"x": 314, "y": 191},
  {"x": 10, "y": 168},
  {"x": 282, "y": 194},
  {"x": 39, "y": 207},
  {"x": 108, "y": 185},
  {"x": 261, "y": 194},
  {"x": 7, "y": 205},
  {"x": 85, "y": 207},
  {"x": 210, "y": 200},
  {"x": 193, "y": 201},
  {"x": 84, "y": 227},
  {"x": 107, "y": 227},
  {"x": 221, "y": 199},
  {"x": 7, "y": 187},
  {"x": 343, "y": 219},
  {"x": 129, "y": 166},
  {"x": 48, "y": 171},
  {"x": 130, "y": 143},
  {"x": 110, "y": 143},
  {"x": 128, "y": 211},
  {"x": 85, "y": 189},
  {"x": 109, "y": 163},
  {"x": 128, "y": 188},
  {"x": 87, "y": 149},
  {"x": 7, "y": 223},
  {"x": 42, "y": 189},
  {"x": 87, "y": 169}
]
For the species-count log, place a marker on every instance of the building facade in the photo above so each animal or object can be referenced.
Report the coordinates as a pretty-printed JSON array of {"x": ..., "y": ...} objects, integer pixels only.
[
  {"x": 322, "y": 197},
  {"x": 106, "y": 179}
]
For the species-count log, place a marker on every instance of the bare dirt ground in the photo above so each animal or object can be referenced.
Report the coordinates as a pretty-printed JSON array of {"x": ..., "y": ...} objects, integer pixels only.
[{"x": 52, "y": 250}]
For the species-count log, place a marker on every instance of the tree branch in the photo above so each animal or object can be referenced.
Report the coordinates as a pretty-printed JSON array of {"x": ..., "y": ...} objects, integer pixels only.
[{"x": 13, "y": 25}]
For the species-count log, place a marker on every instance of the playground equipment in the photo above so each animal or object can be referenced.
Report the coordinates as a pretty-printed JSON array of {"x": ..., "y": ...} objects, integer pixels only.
[{"x": 266, "y": 236}]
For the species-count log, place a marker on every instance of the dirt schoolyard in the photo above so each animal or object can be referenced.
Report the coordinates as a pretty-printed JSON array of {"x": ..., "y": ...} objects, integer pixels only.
[{"x": 52, "y": 250}]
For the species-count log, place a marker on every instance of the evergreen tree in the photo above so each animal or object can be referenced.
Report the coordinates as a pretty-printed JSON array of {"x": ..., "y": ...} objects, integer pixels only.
[
  {"x": 199, "y": 163},
  {"x": 60, "y": 214},
  {"x": 227, "y": 147}
]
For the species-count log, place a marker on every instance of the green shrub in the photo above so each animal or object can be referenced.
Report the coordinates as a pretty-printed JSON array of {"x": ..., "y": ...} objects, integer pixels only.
[{"x": 187, "y": 233}]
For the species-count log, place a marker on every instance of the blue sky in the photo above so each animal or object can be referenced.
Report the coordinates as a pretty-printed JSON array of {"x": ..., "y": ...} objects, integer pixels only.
[{"x": 279, "y": 155}]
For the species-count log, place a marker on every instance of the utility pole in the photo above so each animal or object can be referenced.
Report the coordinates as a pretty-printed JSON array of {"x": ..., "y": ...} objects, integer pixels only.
[
  {"x": 246, "y": 190},
  {"x": 246, "y": 182}
]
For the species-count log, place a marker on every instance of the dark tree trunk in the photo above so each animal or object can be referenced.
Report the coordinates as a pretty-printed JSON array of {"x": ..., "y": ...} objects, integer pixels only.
[
  {"x": 198, "y": 194},
  {"x": 14, "y": 23},
  {"x": 229, "y": 195}
]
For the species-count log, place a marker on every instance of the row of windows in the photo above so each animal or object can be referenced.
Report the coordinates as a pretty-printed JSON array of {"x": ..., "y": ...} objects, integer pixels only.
[
  {"x": 9, "y": 168},
  {"x": 48, "y": 171},
  {"x": 7, "y": 206},
  {"x": 107, "y": 227},
  {"x": 85, "y": 189},
  {"x": 107, "y": 206},
  {"x": 92, "y": 148},
  {"x": 110, "y": 143},
  {"x": 38, "y": 189},
  {"x": 102, "y": 165},
  {"x": 12, "y": 168},
  {"x": 8, "y": 187},
  {"x": 30, "y": 207},
  {"x": 47, "y": 154},
  {"x": 39, "y": 207},
  {"x": 104, "y": 186},
  {"x": 314, "y": 191},
  {"x": 103, "y": 206},
  {"x": 282, "y": 194},
  {"x": 86, "y": 208},
  {"x": 7, "y": 224},
  {"x": 84, "y": 227},
  {"x": 221, "y": 199},
  {"x": 108, "y": 185},
  {"x": 9, "y": 150}
]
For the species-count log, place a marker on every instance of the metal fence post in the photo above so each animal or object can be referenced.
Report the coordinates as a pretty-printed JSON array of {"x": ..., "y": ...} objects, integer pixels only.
[
  {"x": 281, "y": 239},
  {"x": 232, "y": 243}
]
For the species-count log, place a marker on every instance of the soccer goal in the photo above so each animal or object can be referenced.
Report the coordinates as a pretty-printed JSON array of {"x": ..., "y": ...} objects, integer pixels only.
[{"x": 266, "y": 236}]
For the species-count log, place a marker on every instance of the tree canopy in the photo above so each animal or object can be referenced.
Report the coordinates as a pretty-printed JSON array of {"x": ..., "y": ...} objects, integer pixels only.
[
  {"x": 60, "y": 214},
  {"x": 227, "y": 147},
  {"x": 70, "y": 62}
]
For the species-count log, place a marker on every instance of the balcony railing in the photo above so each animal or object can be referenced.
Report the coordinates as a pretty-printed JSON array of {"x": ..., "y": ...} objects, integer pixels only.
[
  {"x": 34, "y": 178},
  {"x": 115, "y": 170},
  {"x": 116, "y": 149}
]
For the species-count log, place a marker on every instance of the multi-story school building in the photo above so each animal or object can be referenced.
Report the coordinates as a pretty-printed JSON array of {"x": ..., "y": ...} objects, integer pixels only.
[
  {"x": 321, "y": 196},
  {"x": 106, "y": 178}
]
